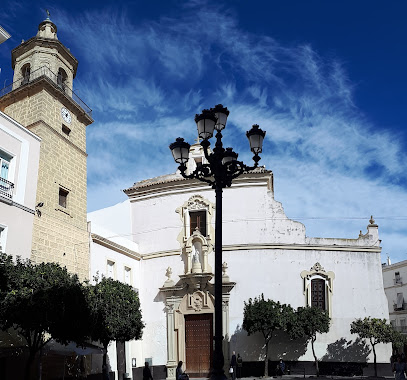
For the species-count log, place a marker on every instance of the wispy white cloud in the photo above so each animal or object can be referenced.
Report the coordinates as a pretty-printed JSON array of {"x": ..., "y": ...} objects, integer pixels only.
[{"x": 146, "y": 81}]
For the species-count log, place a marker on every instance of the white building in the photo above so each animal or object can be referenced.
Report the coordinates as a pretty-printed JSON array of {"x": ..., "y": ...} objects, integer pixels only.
[
  {"x": 164, "y": 234},
  {"x": 19, "y": 160},
  {"x": 395, "y": 287}
]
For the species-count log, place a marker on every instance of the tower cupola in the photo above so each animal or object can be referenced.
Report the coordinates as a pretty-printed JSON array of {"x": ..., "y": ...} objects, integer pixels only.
[{"x": 47, "y": 29}]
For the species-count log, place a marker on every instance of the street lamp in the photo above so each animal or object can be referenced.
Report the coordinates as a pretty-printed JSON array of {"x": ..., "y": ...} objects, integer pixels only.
[{"x": 221, "y": 168}]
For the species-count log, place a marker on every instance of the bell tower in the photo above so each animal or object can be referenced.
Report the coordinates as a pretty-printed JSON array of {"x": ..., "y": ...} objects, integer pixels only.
[{"x": 41, "y": 98}]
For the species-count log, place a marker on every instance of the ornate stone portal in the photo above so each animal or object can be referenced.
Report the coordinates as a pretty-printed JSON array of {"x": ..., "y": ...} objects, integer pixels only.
[{"x": 193, "y": 294}]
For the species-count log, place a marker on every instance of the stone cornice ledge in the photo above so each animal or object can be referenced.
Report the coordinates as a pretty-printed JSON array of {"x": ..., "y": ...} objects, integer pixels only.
[
  {"x": 176, "y": 184},
  {"x": 115, "y": 247},
  {"x": 394, "y": 266},
  {"x": 251, "y": 247}
]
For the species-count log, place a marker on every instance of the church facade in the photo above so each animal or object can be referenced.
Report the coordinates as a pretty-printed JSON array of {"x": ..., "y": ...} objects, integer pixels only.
[
  {"x": 161, "y": 240},
  {"x": 167, "y": 225}
]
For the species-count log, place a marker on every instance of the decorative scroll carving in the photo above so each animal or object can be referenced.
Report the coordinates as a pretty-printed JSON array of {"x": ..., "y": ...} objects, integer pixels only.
[
  {"x": 197, "y": 202},
  {"x": 198, "y": 301},
  {"x": 317, "y": 268}
]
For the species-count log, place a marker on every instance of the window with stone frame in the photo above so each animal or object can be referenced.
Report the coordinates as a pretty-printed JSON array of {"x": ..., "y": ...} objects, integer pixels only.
[
  {"x": 318, "y": 287},
  {"x": 127, "y": 275},
  {"x": 197, "y": 220},
  {"x": 111, "y": 270}
]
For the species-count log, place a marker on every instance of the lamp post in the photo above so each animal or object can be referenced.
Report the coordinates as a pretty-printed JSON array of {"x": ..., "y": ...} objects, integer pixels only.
[{"x": 221, "y": 168}]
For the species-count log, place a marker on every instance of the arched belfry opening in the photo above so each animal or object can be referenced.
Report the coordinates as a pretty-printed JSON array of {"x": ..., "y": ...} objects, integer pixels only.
[
  {"x": 190, "y": 301},
  {"x": 25, "y": 73},
  {"x": 62, "y": 79}
]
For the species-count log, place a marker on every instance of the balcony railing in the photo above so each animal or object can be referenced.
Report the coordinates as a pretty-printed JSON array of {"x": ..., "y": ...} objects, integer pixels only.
[
  {"x": 55, "y": 79},
  {"x": 400, "y": 307},
  {"x": 398, "y": 281},
  {"x": 6, "y": 188}
]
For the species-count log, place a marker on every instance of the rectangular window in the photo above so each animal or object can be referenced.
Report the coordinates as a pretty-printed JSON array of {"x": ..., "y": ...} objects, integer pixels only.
[
  {"x": 66, "y": 130},
  {"x": 397, "y": 278},
  {"x": 400, "y": 301},
  {"x": 197, "y": 221},
  {"x": 318, "y": 294},
  {"x": 4, "y": 165},
  {"x": 127, "y": 275},
  {"x": 63, "y": 197},
  {"x": 110, "y": 269}
]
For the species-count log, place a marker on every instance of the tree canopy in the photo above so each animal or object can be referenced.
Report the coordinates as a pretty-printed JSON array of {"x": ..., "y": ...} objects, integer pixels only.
[
  {"x": 266, "y": 316},
  {"x": 309, "y": 321},
  {"x": 41, "y": 302},
  {"x": 44, "y": 301},
  {"x": 376, "y": 331},
  {"x": 115, "y": 312}
]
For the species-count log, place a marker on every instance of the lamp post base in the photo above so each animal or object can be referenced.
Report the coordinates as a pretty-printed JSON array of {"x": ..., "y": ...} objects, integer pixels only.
[{"x": 218, "y": 375}]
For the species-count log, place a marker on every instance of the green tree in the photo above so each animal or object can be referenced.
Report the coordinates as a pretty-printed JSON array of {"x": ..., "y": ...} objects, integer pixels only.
[
  {"x": 41, "y": 302},
  {"x": 266, "y": 316},
  {"x": 308, "y": 322},
  {"x": 115, "y": 313},
  {"x": 376, "y": 331}
]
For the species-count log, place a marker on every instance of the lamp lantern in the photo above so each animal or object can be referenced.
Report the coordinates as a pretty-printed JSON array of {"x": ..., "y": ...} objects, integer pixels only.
[
  {"x": 205, "y": 123},
  {"x": 229, "y": 156},
  {"x": 180, "y": 151},
  {"x": 221, "y": 114},
  {"x": 256, "y": 137}
]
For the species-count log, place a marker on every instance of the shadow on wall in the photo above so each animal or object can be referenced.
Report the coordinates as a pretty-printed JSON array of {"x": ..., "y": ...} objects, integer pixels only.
[
  {"x": 347, "y": 351},
  {"x": 251, "y": 348},
  {"x": 160, "y": 297}
]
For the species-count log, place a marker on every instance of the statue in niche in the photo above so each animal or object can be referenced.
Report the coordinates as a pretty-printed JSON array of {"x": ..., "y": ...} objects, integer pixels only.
[
  {"x": 196, "y": 261},
  {"x": 196, "y": 253}
]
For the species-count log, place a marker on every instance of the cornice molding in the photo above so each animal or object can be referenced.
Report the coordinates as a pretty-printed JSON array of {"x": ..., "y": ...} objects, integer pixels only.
[
  {"x": 391, "y": 267},
  {"x": 115, "y": 247},
  {"x": 44, "y": 42},
  {"x": 181, "y": 185},
  {"x": 253, "y": 247}
]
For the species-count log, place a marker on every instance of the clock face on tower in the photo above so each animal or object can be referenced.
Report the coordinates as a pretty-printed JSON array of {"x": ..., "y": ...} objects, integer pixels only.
[{"x": 66, "y": 115}]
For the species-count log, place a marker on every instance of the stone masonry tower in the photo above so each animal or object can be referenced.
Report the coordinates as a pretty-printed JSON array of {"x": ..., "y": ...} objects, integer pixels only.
[{"x": 41, "y": 98}]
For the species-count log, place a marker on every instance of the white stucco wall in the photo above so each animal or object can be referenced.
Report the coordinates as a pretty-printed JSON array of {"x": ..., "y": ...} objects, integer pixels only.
[
  {"x": 265, "y": 252},
  {"x": 17, "y": 213}
]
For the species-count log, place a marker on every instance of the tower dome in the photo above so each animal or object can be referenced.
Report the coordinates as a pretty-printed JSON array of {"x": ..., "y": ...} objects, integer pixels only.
[{"x": 47, "y": 29}]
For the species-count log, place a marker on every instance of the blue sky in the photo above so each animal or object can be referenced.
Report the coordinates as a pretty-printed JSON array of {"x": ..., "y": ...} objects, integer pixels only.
[{"x": 326, "y": 80}]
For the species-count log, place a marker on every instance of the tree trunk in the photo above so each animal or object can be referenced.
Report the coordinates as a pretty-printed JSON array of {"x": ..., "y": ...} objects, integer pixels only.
[
  {"x": 28, "y": 365},
  {"x": 266, "y": 360},
  {"x": 374, "y": 357},
  {"x": 104, "y": 366},
  {"x": 315, "y": 356}
]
